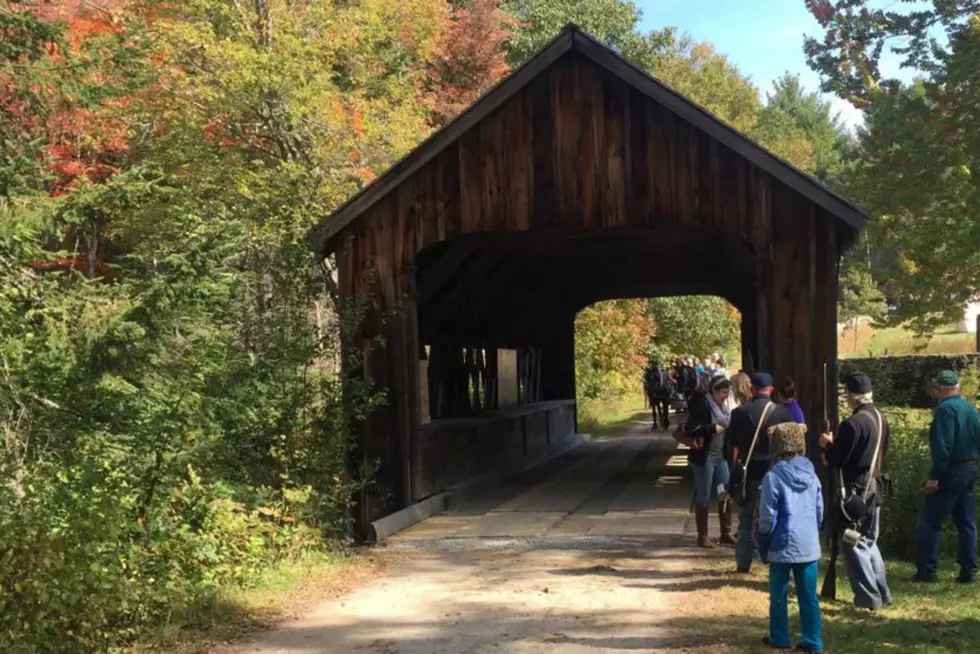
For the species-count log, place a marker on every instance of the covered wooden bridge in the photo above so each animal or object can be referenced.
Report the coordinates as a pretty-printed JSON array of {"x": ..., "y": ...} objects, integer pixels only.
[{"x": 579, "y": 178}]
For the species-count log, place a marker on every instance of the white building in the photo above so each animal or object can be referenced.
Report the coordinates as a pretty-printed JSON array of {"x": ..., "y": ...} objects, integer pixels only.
[{"x": 970, "y": 314}]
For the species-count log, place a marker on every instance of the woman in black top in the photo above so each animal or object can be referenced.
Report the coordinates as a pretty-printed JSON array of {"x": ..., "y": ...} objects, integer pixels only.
[{"x": 708, "y": 415}]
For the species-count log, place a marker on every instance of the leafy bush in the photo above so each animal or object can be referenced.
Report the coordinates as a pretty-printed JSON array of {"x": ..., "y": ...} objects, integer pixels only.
[
  {"x": 908, "y": 465},
  {"x": 146, "y": 459},
  {"x": 80, "y": 575},
  {"x": 173, "y": 415}
]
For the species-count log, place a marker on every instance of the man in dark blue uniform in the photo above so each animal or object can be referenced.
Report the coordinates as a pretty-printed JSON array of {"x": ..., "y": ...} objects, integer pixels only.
[
  {"x": 738, "y": 439},
  {"x": 853, "y": 451}
]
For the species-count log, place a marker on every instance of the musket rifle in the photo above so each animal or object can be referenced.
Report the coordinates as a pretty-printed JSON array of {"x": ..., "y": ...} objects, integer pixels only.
[{"x": 829, "y": 589}]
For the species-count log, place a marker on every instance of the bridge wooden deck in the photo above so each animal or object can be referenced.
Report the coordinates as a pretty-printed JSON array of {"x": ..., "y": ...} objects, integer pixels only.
[{"x": 633, "y": 485}]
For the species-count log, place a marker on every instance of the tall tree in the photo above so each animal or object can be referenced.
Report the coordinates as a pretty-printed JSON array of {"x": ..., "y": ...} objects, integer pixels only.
[
  {"x": 469, "y": 58},
  {"x": 708, "y": 78},
  {"x": 805, "y": 114},
  {"x": 182, "y": 427},
  {"x": 614, "y": 22},
  {"x": 860, "y": 299},
  {"x": 920, "y": 154},
  {"x": 611, "y": 339},
  {"x": 694, "y": 325}
]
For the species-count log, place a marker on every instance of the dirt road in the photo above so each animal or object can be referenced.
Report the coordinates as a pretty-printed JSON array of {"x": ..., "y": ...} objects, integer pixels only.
[{"x": 590, "y": 554}]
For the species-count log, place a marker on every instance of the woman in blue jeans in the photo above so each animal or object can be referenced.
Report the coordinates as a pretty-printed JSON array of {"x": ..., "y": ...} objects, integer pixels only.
[
  {"x": 788, "y": 537},
  {"x": 708, "y": 415}
]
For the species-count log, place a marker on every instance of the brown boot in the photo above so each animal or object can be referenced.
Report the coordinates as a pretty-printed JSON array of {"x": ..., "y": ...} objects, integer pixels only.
[
  {"x": 725, "y": 520},
  {"x": 701, "y": 516}
]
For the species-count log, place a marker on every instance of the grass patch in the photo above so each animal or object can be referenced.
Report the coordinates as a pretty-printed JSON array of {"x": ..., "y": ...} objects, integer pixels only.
[
  {"x": 234, "y": 613},
  {"x": 730, "y": 614},
  {"x": 612, "y": 417},
  {"x": 934, "y": 618},
  {"x": 898, "y": 341}
]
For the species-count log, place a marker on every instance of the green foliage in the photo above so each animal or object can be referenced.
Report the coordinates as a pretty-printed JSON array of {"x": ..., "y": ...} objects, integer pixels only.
[
  {"x": 614, "y": 22},
  {"x": 908, "y": 466},
  {"x": 792, "y": 113},
  {"x": 906, "y": 381},
  {"x": 698, "y": 71},
  {"x": 610, "y": 342},
  {"x": 919, "y": 152},
  {"x": 111, "y": 393},
  {"x": 182, "y": 424},
  {"x": 857, "y": 33},
  {"x": 860, "y": 297},
  {"x": 778, "y": 132},
  {"x": 23, "y": 36},
  {"x": 694, "y": 325}
]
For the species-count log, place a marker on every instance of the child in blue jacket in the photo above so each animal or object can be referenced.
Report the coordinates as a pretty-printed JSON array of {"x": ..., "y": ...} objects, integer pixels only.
[{"x": 788, "y": 536}]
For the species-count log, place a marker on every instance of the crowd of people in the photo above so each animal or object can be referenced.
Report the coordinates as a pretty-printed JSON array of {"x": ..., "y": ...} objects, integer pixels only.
[
  {"x": 748, "y": 446},
  {"x": 670, "y": 387}
]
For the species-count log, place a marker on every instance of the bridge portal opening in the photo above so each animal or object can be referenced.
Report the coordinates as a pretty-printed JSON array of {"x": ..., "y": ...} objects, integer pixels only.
[{"x": 617, "y": 340}]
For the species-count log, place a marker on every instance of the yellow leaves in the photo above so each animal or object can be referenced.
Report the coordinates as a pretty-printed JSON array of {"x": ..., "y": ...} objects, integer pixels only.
[
  {"x": 416, "y": 25},
  {"x": 610, "y": 341},
  {"x": 709, "y": 79},
  {"x": 907, "y": 264},
  {"x": 796, "y": 150},
  {"x": 336, "y": 86}
]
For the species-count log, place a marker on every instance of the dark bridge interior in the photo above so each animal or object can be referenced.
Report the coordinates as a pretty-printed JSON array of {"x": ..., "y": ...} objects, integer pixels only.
[
  {"x": 499, "y": 287},
  {"x": 578, "y": 179}
]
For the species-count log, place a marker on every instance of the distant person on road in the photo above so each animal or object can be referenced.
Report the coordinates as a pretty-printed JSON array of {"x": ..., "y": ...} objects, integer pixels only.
[
  {"x": 707, "y": 419},
  {"x": 954, "y": 440},
  {"x": 851, "y": 452},
  {"x": 739, "y": 436},
  {"x": 790, "y": 514},
  {"x": 787, "y": 393},
  {"x": 720, "y": 367},
  {"x": 698, "y": 366}
]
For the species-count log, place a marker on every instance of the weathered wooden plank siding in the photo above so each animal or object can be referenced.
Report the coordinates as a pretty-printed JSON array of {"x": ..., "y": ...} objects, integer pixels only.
[
  {"x": 624, "y": 193},
  {"x": 614, "y": 154}
]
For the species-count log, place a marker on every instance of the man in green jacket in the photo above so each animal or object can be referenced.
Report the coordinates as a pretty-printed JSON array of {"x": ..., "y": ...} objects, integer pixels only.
[{"x": 954, "y": 439}]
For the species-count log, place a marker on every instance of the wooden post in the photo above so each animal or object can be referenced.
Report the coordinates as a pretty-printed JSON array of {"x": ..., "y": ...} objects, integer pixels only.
[
  {"x": 558, "y": 360},
  {"x": 749, "y": 335}
]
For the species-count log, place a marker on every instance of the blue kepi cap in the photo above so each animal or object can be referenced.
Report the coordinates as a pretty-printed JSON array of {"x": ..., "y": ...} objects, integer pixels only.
[{"x": 761, "y": 380}]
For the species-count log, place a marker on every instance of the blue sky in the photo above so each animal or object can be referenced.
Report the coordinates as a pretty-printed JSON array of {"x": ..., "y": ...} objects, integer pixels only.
[{"x": 763, "y": 38}]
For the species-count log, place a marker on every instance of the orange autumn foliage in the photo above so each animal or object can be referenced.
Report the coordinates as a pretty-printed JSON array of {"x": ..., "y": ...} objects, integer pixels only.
[{"x": 469, "y": 59}]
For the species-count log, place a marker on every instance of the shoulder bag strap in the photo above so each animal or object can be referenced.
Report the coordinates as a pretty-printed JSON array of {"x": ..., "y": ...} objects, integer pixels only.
[
  {"x": 873, "y": 470},
  {"x": 758, "y": 428}
]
